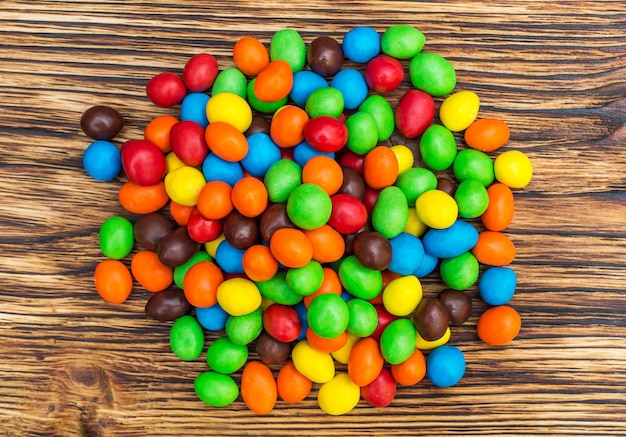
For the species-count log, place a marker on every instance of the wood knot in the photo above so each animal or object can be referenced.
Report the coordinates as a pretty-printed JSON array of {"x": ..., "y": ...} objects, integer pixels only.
[{"x": 88, "y": 376}]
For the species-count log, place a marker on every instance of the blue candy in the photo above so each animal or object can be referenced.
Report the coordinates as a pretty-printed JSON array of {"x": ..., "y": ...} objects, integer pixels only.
[
  {"x": 303, "y": 152},
  {"x": 407, "y": 254},
  {"x": 361, "y": 44},
  {"x": 229, "y": 258},
  {"x": 445, "y": 366},
  {"x": 262, "y": 153},
  {"x": 102, "y": 160},
  {"x": 302, "y": 312},
  {"x": 304, "y": 83},
  {"x": 193, "y": 107},
  {"x": 428, "y": 265},
  {"x": 353, "y": 87},
  {"x": 215, "y": 168},
  {"x": 452, "y": 241},
  {"x": 497, "y": 285},
  {"x": 212, "y": 318}
]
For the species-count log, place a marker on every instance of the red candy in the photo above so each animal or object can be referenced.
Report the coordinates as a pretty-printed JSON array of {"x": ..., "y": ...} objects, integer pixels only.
[
  {"x": 188, "y": 143},
  {"x": 384, "y": 73},
  {"x": 348, "y": 214},
  {"x": 200, "y": 72},
  {"x": 325, "y": 133},
  {"x": 414, "y": 113},
  {"x": 166, "y": 89},
  {"x": 143, "y": 162}
]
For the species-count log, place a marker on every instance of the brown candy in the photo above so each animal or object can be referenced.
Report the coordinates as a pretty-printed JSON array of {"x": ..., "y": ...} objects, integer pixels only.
[
  {"x": 177, "y": 247},
  {"x": 458, "y": 304},
  {"x": 167, "y": 305},
  {"x": 273, "y": 218},
  {"x": 446, "y": 185},
  {"x": 431, "y": 319},
  {"x": 240, "y": 231},
  {"x": 258, "y": 125},
  {"x": 353, "y": 183},
  {"x": 373, "y": 250},
  {"x": 101, "y": 122},
  {"x": 270, "y": 350},
  {"x": 150, "y": 229},
  {"x": 325, "y": 56}
]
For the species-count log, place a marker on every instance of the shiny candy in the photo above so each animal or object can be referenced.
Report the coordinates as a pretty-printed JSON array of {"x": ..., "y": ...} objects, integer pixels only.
[
  {"x": 459, "y": 110},
  {"x": 313, "y": 364},
  {"x": 102, "y": 160},
  {"x": 339, "y": 395},
  {"x": 445, "y": 366}
]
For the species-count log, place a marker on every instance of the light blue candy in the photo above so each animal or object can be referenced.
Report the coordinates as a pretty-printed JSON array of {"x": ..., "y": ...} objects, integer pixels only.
[
  {"x": 262, "y": 153},
  {"x": 212, "y": 318},
  {"x": 497, "y": 285},
  {"x": 229, "y": 258},
  {"x": 445, "y": 366},
  {"x": 353, "y": 87},
  {"x": 102, "y": 160},
  {"x": 407, "y": 253},
  {"x": 304, "y": 83},
  {"x": 215, "y": 168},
  {"x": 361, "y": 44},
  {"x": 303, "y": 152},
  {"x": 193, "y": 107},
  {"x": 428, "y": 265},
  {"x": 452, "y": 241}
]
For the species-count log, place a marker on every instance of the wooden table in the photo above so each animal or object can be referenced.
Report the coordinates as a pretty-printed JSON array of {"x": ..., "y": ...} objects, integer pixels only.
[{"x": 72, "y": 364}]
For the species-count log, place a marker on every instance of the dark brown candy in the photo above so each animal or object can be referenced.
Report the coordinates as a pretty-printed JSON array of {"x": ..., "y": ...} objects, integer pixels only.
[
  {"x": 353, "y": 183},
  {"x": 446, "y": 185},
  {"x": 273, "y": 218},
  {"x": 431, "y": 319},
  {"x": 325, "y": 56},
  {"x": 177, "y": 247},
  {"x": 270, "y": 350},
  {"x": 458, "y": 304},
  {"x": 240, "y": 231},
  {"x": 167, "y": 305},
  {"x": 373, "y": 250},
  {"x": 150, "y": 229},
  {"x": 101, "y": 122},
  {"x": 258, "y": 125}
]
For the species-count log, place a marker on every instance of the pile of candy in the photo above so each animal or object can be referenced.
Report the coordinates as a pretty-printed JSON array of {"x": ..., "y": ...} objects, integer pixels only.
[{"x": 287, "y": 223}]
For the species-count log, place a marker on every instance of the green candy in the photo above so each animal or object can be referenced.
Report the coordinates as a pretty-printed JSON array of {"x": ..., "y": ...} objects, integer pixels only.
[
  {"x": 307, "y": 279},
  {"x": 328, "y": 315},
  {"x": 460, "y": 272},
  {"x": 474, "y": 164},
  {"x": 438, "y": 147},
  {"x": 363, "y": 317},
  {"x": 187, "y": 338},
  {"x": 472, "y": 198},
  {"x": 243, "y": 330},
  {"x": 277, "y": 290},
  {"x": 260, "y": 105},
  {"x": 416, "y": 181},
  {"x": 324, "y": 101},
  {"x": 362, "y": 132},
  {"x": 181, "y": 270},
  {"x": 397, "y": 341},
  {"x": 391, "y": 212},
  {"x": 358, "y": 280},
  {"x": 230, "y": 80},
  {"x": 215, "y": 389},
  {"x": 226, "y": 357},
  {"x": 281, "y": 179},
  {"x": 116, "y": 237},
  {"x": 380, "y": 109},
  {"x": 288, "y": 45},
  {"x": 402, "y": 41},
  {"x": 432, "y": 73},
  {"x": 309, "y": 206}
]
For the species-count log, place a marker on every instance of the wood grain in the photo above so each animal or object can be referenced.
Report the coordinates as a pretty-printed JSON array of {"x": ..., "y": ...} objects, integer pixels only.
[{"x": 73, "y": 365}]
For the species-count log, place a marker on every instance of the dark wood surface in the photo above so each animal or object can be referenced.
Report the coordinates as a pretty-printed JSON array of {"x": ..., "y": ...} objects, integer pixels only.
[{"x": 73, "y": 365}]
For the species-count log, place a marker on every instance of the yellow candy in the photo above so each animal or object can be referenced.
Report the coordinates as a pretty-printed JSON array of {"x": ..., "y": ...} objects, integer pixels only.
[
  {"x": 338, "y": 396},
  {"x": 342, "y": 355},
  {"x": 422, "y": 344},
  {"x": 402, "y": 295},
  {"x": 265, "y": 302},
  {"x": 230, "y": 108},
  {"x": 316, "y": 365},
  {"x": 184, "y": 184},
  {"x": 238, "y": 296},
  {"x": 436, "y": 209},
  {"x": 211, "y": 246},
  {"x": 459, "y": 110},
  {"x": 513, "y": 168},
  {"x": 414, "y": 225},
  {"x": 405, "y": 157},
  {"x": 173, "y": 162}
]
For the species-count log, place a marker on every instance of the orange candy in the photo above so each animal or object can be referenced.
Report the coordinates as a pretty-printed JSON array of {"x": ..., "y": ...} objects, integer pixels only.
[
  {"x": 250, "y": 56},
  {"x": 249, "y": 196},
  {"x": 328, "y": 244},
  {"x": 494, "y": 249},
  {"x": 365, "y": 361},
  {"x": 259, "y": 264},
  {"x": 158, "y": 131},
  {"x": 324, "y": 172},
  {"x": 292, "y": 385},
  {"x": 487, "y": 134},
  {"x": 150, "y": 272},
  {"x": 499, "y": 325},
  {"x": 143, "y": 199},
  {"x": 291, "y": 247},
  {"x": 201, "y": 282},
  {"x": 180, "y": 213},
  {"x": 214, "y": 200},
  {"x": 330, "y": 284},
  {"x": 287, "y": 126},
  {"x": 327, "y": 345},
  {"x": 113, "y": 281},
  {"x": 499, "y": 213},
  {"x": 380, "y": 167},
  {"x": 274, "y": 82},
  {"x": 410, "y": 371},
  {"x": 258, "y": 388},
  {"x": 226, "y": 141}
]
